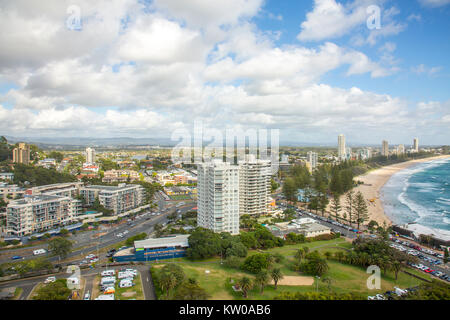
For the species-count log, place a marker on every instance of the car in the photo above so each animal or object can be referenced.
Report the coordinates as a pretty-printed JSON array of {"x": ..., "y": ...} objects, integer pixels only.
[
  {"x": 16, "y": 257},
  {"x": 131, "y": 271},
  {"x": 429, "y": 270},
  {"x": 87, "y": 296},
  {"x": 38, "y": 252},
  {"x": 120, "y": 235},
  {"x": 50, "y": 280},
  {"x": 91, "y": 256}
]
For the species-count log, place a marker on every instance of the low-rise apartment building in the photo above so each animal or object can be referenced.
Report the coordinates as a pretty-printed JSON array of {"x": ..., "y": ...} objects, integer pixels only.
[
  {"x": 120, "y": 176},
  {"x": 69, "y": 189},
  {"x": 39, "y": 213},
  {"x": 10, "y": 191},
  {"x": 120, "y": 199}
]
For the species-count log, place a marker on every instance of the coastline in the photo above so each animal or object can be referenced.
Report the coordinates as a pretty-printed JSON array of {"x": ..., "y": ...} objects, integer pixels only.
[{"x": 376, "y": 179}]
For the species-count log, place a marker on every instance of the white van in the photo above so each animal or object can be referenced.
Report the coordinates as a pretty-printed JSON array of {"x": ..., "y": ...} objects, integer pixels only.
[
  {"x": 125, "y": 283},
  {"x": 108, "y": 273},
  {"x": 131, "y": 271},
  {"x": 125, "y": 274},
  {"x": 108, "y": 281},
  {"x": 39, "y": 251}
]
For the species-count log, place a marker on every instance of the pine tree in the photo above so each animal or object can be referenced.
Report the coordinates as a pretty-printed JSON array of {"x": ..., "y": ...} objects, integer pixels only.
[
  {"x": 349, "y": 205},
  {"x": 361, "y": 210},
  {"x": 336, "y": 206}
]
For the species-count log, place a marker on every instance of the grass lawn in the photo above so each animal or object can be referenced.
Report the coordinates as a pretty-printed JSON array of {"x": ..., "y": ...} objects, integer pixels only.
[
  {"x": 17, "y": 293},
  {"x": 344, "y": 278},
  {"x": 135, "y": 292}
]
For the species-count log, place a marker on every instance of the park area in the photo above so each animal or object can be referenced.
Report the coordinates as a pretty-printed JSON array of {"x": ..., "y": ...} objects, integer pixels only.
[{"x": 218, "y": 280}]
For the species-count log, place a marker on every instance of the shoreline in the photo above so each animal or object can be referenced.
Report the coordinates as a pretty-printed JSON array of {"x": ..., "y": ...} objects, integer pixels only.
[{"x": 376, "y": 179}]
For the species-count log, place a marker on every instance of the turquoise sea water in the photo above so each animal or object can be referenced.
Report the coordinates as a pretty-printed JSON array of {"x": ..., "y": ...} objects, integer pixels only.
[{"x": 420, "y": 194}]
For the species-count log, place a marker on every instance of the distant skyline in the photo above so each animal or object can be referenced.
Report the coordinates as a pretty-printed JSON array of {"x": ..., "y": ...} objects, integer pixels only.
[{"x": 313, "y": 69}]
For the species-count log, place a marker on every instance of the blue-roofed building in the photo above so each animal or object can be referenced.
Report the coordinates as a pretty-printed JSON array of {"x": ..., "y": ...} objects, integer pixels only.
[{"x": 154, "y": 249}]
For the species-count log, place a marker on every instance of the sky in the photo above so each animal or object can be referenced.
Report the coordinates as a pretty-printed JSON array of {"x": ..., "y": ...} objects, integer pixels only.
[{"x": 371, "y": 69}]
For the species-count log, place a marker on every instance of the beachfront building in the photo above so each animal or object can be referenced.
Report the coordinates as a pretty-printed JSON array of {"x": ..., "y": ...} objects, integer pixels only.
[
  {"x": 400, "y": 149},
  {"x": 39, "y": 213},
  {"x": 218, "y": 196},
  {"x": 342, "y": 155},
  {"x": 21, "y": 154},
  {"x": 305, "y": 226},
  {"x": 385, "y": 148},
  {"x": 119, "y": 199},
  {"x": 254, "y": 186},
  {"x": 416, "y": 145}
]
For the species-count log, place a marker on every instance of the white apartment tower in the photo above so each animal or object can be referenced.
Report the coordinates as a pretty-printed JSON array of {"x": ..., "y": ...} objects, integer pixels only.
[
  {"x": 341, "y": 147},
  {"x": 416, "y": 145},
  {"x": 385, "y": 148},
  {"x": 312, "y": 158},
  {"x": 218, "y": 197},
  {"x": 90, "y": 155},
  {"x": 400, "y": 149},
  {"x": 254, "y": 185}
]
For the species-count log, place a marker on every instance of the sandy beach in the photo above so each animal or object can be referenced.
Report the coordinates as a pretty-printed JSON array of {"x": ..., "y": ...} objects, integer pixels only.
[{"x": 374, "y": 181}]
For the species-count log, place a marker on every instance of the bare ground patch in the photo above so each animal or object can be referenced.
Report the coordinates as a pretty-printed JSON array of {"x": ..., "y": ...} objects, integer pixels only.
[{"x": 295, "y": 281}]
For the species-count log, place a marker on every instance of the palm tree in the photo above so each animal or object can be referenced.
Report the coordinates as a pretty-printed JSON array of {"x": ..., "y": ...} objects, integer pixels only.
[
  {"x": 276, "y": 275},
  {"x": 396, "y": 266},
  {"x": 270, "y": 261},
  {"x": 262, "y": 278},
  {"x": 168, "y": 282},
  {"x": 299, "y": 254},
  {"x": 246, "y": 284},
  {"x": 320, "y": 267}
]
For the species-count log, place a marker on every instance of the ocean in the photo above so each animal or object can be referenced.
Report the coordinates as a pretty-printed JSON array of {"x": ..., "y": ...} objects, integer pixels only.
[{"x": 420, "y": 194}]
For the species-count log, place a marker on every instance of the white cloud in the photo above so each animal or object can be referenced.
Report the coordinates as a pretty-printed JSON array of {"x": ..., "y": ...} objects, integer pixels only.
[
  {"x": 434, "y": 3},
  {"x": 178, "y": 63},
  {"x": 422, "y": 69},
  {"x": 330, "y": 19}
]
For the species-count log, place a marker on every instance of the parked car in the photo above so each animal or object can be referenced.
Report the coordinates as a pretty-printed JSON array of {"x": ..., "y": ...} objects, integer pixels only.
[
  {"x": 87, "y": 296},
  {"x": 38, "y": 252},
  {"x": 16, "y": 257}
]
